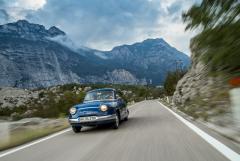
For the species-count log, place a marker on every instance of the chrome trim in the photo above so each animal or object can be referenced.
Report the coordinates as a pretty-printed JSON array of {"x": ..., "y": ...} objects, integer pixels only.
[
  {"x": 97, "y": 118},
  {"x": 100, "y": 100}
]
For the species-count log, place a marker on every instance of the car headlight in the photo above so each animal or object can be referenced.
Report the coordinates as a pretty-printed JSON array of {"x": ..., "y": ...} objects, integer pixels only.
[
  {"x": 103, "y": 108},
  {"x": 72, "y": 110}
]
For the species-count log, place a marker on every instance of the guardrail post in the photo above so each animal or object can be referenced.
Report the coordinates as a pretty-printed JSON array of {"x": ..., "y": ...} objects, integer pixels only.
[
  {"x": 4, "y": 132},
  {"x": 235, "y": 105}
]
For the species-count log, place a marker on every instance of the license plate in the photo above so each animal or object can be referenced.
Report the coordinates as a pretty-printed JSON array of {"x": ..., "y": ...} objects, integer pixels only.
[{"x": 89, "y": 118}]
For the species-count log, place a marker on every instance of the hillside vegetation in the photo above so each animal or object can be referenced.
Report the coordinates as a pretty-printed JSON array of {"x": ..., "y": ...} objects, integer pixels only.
[
  {"x": 218, "y": 43},
  {"x": 172, "y": 80},
  {"x": 55, "y": 102}
]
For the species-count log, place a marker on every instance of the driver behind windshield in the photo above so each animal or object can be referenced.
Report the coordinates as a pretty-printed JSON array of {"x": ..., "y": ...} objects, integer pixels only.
[{"x": 99, "y": 95}]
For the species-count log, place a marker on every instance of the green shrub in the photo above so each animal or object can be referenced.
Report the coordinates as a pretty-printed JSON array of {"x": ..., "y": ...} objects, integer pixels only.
[
  {"x": 218, "y": 43},
  {"x": 56, "y": 104},
  {"x": 171, "y": 81}
]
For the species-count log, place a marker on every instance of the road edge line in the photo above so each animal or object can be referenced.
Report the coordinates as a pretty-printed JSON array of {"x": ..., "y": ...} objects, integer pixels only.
[
  {"x": 223, "y": 149},
  {"x": 18, "y": 148},
  {"x": 33, "y": 143}
]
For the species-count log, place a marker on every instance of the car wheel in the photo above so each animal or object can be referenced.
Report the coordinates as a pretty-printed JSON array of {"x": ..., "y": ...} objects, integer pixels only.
[
  {"x": 76, "y": 129},
  {"x": 116, "y": 123}
]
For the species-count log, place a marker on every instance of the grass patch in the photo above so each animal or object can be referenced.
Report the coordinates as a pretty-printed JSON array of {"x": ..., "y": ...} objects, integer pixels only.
[{"x": 24, "y": 135}]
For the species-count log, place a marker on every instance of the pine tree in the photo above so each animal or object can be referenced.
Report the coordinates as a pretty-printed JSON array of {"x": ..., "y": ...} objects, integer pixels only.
[{"x": 218, "y": 43}]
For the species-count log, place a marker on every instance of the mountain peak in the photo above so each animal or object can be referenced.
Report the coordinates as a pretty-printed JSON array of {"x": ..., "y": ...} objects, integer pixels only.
[
  {"x": 54, "y": 31},
  {"x": 22, "y": 22},
  {"x": 27, "y": 30},
  {"x": 147, "y": 43},
  {"x": 155, "y": 41},
  {"x": 25, "y": 26}
]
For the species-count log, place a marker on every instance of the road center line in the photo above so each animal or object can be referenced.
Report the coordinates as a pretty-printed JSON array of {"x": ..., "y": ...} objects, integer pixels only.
[{"x": 223, "y": 149}]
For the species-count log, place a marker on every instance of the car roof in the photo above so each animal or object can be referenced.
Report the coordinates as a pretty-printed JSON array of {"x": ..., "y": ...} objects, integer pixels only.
[{"x": 103, "y": 89}]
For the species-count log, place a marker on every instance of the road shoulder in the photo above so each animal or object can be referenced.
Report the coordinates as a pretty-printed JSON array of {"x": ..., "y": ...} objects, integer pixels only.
[{"x": 223, "y": 144}]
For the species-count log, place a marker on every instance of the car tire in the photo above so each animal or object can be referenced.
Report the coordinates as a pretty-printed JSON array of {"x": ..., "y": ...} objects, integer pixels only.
[
  {"x": 116, "y": 123},
  {"x": 76, "y": 129}
]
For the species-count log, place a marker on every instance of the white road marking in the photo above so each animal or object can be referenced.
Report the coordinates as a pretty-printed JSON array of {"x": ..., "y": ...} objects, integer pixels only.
[
  {"x": 42, "y": 139},
  {"x": 226, "y": 151},
  {"x": 33, "y": 143}
]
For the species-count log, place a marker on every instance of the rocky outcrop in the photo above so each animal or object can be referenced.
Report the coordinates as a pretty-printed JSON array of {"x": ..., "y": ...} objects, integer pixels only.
[
  {"x": 201, "y": 93},
  {"x": 121, "y": 76},
  {"x": 117, "y": 76},
  {"x": 205, "y": 96},
  {"x": 14, "y": 97}
]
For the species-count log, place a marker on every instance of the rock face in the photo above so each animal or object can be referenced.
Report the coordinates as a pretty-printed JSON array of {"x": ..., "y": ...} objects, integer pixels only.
[
  {"x": 13, "y": 97},
  {"x": 151, "y": 59},
  {"x": 117, "y": 76},
  {"x": 202, "y": 94},
  {"x": 32, "y": 56},
  {"x": 205, "y": 96}
]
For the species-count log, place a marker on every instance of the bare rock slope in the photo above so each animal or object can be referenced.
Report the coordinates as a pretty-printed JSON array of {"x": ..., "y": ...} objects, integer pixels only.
[{"x": 206, "y": 97}]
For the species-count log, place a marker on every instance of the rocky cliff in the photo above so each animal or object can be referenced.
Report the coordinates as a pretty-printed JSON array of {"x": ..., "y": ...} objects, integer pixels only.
[
  {"x": 201, "y": 93},
  {"x": 205, "y": 96}
]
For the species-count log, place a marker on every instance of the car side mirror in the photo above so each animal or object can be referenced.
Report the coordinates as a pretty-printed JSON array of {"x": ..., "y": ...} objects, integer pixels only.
[{"x": 120, "y": 99}]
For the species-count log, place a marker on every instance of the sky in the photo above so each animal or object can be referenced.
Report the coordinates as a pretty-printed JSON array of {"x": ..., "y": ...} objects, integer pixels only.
[{"x": 104, "y": 24}]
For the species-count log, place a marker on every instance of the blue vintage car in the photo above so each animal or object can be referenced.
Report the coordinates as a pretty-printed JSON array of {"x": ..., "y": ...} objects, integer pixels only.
[{"x": 100, "y": 106}]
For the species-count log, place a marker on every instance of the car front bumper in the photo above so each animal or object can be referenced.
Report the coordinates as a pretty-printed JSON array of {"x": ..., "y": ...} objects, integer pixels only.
[{"x": 95, "y": 120}]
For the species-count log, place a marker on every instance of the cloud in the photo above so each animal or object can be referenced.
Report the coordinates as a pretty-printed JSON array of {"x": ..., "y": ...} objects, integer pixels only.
[
  {"x": 19, "y": 9},
  {"x": 65, "y": 41},
  {"x": 103, "y": 24},
  {"x": 4, "y": 17}
]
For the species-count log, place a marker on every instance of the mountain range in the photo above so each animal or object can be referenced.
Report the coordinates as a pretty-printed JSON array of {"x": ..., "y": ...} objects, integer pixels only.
[{"x": 32, "y": 56}]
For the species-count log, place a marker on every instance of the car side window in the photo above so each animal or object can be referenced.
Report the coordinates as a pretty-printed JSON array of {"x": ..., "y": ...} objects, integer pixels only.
[{"x": 118, "y": 95}]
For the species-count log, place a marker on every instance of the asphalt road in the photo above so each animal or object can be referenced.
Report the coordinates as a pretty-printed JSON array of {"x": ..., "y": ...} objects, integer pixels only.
[{"x": 152, "y": 133}]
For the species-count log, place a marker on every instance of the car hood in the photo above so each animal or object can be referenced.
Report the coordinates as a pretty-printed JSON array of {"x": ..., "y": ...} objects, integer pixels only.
[{"x": 93, "y": 104}]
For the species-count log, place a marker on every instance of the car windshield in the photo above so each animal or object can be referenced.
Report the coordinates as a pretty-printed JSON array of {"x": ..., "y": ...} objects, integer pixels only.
[{"x": 99, "y": 95}]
